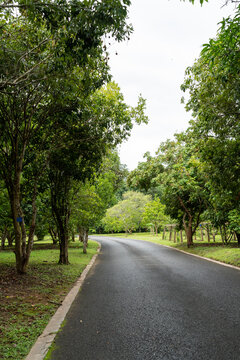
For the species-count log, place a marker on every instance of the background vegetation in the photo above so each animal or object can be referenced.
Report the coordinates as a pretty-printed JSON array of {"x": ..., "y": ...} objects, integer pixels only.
[{"x": 61, "y": 119}]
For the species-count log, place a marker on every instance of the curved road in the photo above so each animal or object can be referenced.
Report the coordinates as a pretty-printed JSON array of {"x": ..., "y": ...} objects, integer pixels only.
[{"x": 145, "y": 301}]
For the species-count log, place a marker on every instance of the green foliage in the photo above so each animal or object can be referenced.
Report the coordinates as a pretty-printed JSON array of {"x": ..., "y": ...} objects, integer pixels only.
[
  {"x": 213, "y": 86},
  {"x": 184, "y": 191},
  {"x": 234, "y": 220},
  {"x": 127, "y": 214},
  {"x": 154, "y": 214},
  {"x": 88, "y": 206},
  {"x": 53, "y": 114},
  {"x": 143, "y": 177}
]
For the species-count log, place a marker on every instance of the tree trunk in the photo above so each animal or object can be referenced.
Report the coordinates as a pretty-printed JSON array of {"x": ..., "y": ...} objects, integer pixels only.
[
  {"x": 224, "y": 236},
  {"x": 181, "y": 236},
  {"x": 202, "y": 237},
  {"x": 10, "y": 238},
  {"x": 175, "y": 236},
  {"x": 63, "y": 241},
  {"x": 85, "y": 241},
  {"x": 73, "y": 236},
  {"x": 163, "y": 235},
  {"x": 81, "y": 234},
  {"x": 60, "y": 189},
  {"x": 214, "y": 235},
  {"x": 188, "y": 230},
  {"x": 189, "y": 235},
  {"x": 54, "y": 236},
  {"x": 3, "y": 238},
  {"x": 170, "y": 234},
  {"x": 63, "y": 244},
  {"x": 22, "y": 247},
  {"x": 19, "y": 228},
  {"x": 207, "y": 233}
]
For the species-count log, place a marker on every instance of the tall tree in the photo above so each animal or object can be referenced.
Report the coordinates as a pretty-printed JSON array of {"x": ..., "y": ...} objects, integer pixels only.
[
  {"x": 104, "y": 121},
  {"x": 44, "y": 46},
  {"x": 143, "y": 177},
  {"x": 213, "y": 85},
  {"x": 184, "y": 192}
]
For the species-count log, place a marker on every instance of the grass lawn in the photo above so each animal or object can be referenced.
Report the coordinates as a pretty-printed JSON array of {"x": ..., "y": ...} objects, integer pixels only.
[
  {"x": 229, "y": 254},
  {"x": 28, "y": 301}
]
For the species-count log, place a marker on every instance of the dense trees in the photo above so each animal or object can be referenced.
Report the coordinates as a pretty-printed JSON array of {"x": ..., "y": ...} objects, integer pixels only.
[
  {"x": 154, "y": 215},
  {"x": 127, "y": 214},
  {"x": 61, "y": 118},
  {"x": 213, "y": 86},
  {"x": 197, "y": 174},
  {"x": 56, "y": 118}
]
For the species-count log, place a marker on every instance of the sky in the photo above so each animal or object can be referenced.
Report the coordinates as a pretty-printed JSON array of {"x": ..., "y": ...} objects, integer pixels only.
[{"x": 167, "y": 38}]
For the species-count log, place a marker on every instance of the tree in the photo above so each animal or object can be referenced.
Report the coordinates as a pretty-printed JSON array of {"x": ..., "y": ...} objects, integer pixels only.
[
  {"x": 76, "y": 30},
  {"x": 213, "y": 85},
  {"x": 44, "y": 47},
  {"x": 88, "y": 209},
  {"x": 127, "y": 214},
  {"x": 143, "y": 177},
  {"x": 184, "y": 192},
  {"x": 154, "y": 214},
  {"x": 103, "y": 122}
]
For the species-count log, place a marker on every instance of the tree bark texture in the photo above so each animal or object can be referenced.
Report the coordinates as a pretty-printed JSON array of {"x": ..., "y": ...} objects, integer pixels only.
[
  {"x": 60, "y": 188},
  {"x": 85, "y": 241},
  {"x": 22, "y": 246}
]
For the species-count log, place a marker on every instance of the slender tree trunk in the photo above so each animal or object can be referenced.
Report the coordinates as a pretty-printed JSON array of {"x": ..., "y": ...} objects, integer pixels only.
[
  {"x": 63, "y": 241},
  {"x": 19, "y": 225},
  {"x": 163, "y": 235},
  {"x": 73, "y": 236},
  {"x": 181, "y": 236},
  {"x": 60, "y": 189},
  {"x": 188, "y": 230},
  {"x": 3, "y": 238},
  {"x": 10, "y": 238},
  {"x": 22, "y": 247},
  {"x": 54, "y": 236},
  {"x": 85, "y": 241},
  {"x": 63, "y": 244},
  {"x": 175, "y": 236},
  {"x": 189, "y": 235},
  {"x": 81, "y": 233},
  {"x": 207, "y": 233},
  {"x": 214, "y": 235}
]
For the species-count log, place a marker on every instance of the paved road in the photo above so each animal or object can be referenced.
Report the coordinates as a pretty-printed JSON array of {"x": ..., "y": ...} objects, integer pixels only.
[{"x": 144, "y": 301}]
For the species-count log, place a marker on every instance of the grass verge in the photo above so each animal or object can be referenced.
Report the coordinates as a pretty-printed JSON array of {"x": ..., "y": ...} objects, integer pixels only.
[
  {"x": 28, "y": 301},
  {"x": 229, "y": 254}
]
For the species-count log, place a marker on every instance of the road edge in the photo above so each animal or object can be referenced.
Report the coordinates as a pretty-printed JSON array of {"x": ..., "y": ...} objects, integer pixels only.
[{"x": 44, "y": 341}]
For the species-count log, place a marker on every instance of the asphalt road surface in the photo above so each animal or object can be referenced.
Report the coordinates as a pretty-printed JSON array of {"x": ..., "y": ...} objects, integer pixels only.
[{"x": 145, "y": 301}]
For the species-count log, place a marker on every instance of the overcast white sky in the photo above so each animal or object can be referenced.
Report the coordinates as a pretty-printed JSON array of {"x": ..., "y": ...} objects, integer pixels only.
[{"x": 168, "y": 36}]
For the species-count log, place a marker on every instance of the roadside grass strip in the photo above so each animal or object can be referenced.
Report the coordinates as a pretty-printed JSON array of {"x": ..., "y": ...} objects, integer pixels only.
[{"x": 29, "y": 301}]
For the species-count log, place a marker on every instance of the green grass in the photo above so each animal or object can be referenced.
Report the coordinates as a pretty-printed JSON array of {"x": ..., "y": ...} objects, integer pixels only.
[
  {"x": 28, "y": 301},
  {"x": 229, "y": 254}
]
